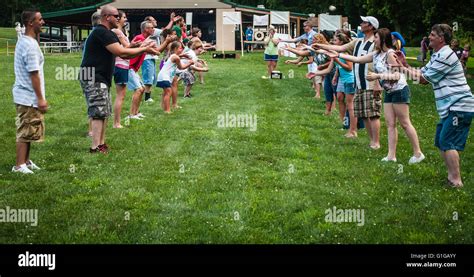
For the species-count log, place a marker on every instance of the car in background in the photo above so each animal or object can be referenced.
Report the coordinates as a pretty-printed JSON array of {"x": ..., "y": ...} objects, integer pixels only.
[{"x": 55, "y": 34}]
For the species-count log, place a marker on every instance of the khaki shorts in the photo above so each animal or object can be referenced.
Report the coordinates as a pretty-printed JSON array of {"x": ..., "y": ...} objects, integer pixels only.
[
  {"x": 318, "y": 79},
  {"x": 29, "y": 124}
]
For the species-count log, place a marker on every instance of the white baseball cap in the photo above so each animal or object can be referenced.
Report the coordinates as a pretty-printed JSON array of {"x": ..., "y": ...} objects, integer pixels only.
[{"x": 372, "y": 20}]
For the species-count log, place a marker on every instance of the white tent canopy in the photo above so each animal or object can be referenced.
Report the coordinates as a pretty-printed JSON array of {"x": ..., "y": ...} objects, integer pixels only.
[
  {"x": 329, "y": 22},
  {"x": 260, "y": 20},
  {"x": 232, "y": 18},
  {"x": 282, "y": 18}
]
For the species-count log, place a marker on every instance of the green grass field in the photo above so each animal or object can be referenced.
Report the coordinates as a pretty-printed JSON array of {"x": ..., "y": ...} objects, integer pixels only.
[
  {"x": 180, "y": 179},
  {"x": 7, "y": 34}
]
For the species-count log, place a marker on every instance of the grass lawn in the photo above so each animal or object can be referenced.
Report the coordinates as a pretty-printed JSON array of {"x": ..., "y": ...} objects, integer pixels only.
[
  {"x": 180, "y": 179},
  {"x": 7, "y": 34}
]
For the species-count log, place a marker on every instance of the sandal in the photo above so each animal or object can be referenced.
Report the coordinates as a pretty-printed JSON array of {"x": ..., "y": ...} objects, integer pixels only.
[
  {"x": 453, "y": 185},
  {"x": 374, "y": 147}
]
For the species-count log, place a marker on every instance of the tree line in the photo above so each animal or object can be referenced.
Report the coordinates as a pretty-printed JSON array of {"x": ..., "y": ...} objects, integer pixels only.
[{"x": 411, "y": 18}]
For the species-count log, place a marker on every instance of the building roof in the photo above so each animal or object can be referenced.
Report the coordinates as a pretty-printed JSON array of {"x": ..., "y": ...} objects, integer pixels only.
[
  {"x": 235, "y": 5},
  {"x": 171, "y": 4},
  {"x": 80, "y": 16}
]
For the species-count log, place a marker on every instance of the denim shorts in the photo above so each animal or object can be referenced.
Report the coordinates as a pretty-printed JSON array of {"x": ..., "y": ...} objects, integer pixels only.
[
  {"x": 120, "y": 76},
  {"x": 269, "y": 58},
  {"x": 149, "y": 72},
  {"x": 349, "y": 88},
  {"x": 163, "y": 84},
  {"x": 134, "y": 81},
  {"x": 401, "y": 96},
  {"x": 452, "y": 131}
]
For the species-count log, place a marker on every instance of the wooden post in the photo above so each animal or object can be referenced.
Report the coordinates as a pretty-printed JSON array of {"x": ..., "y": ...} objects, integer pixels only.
[
  {"x": 298, "y": 26},
  {"x": 289, "y": 25},
  {"x": 241, "y": 38}
]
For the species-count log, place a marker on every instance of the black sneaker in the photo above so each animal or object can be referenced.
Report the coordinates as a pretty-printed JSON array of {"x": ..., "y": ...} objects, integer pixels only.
[
  {"x": 187, "y": 96},
  {"x": 103, "y": 148},
  {"x": 99, "y": 149}
]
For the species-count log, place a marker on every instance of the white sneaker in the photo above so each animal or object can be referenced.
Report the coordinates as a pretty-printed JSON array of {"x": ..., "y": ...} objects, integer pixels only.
[
  {"x": 140, "y": 115},
  {"x": 386, "y": 159},
  {"x": 134, "y": 117},
  {"x": 31, "y": 165},
  {"x": 415, "y": 160},
  {"x": 149, "y": 100},
  {"x": 23, "y": 169}
]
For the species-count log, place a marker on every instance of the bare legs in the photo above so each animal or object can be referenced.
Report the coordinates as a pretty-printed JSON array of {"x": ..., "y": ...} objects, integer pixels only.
[
  {"x": 136, "y": 100},
  {"x": 372, "y": 125},
  {"x": 165, "y": 100},
  {"x": 400, "y": 112},
  {"x": 174, "y": 93},
  {"x": 452, "y": 161},
  {"x": 98, "y": 132},
  {"x": 22, "y": 153},
  {"x": 271, "y": 66},
  {"x": 118, "y": 104},
  {"x": 352, "y": 133}
]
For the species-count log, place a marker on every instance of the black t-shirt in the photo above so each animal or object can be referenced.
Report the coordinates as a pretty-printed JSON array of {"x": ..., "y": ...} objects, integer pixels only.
[{"x": 97, "y": 56}]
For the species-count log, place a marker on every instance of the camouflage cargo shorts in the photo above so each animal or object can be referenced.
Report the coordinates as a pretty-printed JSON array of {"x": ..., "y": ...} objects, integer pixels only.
[{"x": 98, "y": 98}]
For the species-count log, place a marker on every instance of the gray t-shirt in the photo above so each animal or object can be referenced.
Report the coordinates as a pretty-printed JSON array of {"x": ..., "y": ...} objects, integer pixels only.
[
  {"x": 28, "y": 58},
  {"x": 155, "y": 37}
]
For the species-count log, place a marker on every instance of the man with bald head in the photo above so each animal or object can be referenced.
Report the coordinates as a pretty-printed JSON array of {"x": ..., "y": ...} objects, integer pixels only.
[{"x": 101, "y": 48}]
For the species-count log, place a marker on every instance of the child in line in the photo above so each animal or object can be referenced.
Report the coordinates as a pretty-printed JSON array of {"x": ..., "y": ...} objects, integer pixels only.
[
  {"x": 194, "y": 49},
  {"x": 465, "y": 56},
  {"x": 168, "y": 72}
]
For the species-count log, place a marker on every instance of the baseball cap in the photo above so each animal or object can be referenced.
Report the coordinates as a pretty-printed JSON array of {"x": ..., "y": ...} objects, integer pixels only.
[{"x": 372, "y": 20}]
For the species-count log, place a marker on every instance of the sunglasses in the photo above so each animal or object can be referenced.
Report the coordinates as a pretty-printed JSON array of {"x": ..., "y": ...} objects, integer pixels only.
[{"x": 117, "y": 16}]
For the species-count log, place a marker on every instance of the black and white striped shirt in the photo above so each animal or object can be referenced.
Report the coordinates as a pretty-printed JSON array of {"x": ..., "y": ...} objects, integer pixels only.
[{"x": 361, "y": 48}]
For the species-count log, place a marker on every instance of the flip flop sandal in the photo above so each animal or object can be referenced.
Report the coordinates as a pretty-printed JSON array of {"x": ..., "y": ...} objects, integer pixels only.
[{"x": 453, "y": 185}]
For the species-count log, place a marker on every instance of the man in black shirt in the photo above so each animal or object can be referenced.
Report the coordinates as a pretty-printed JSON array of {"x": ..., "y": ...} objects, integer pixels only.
[{"x": 97, "y": 68}]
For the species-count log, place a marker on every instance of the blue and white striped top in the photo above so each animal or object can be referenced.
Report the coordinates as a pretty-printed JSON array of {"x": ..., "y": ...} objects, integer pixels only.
[
  {"x": 28, "y": 58},
  {"x": 452, "y": 93}
]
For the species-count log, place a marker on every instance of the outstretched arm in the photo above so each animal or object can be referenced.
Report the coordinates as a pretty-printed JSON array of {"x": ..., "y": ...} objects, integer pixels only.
[
  {"x": 175, "y": 59},
  {"x": 299, "y": 59},
  {"x": 127, "y": 53},
  {"x": 362, "y": 59},
  {"x": 325, "y": 71},
  {"x": 302, "y": 53},
  {"x": 309, "y": 61}
]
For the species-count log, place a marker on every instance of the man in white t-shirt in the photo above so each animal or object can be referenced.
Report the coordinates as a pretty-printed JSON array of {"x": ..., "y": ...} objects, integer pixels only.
[
  {"x": 149, "y": 63},
  {"x": 28, "y": 92}
]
